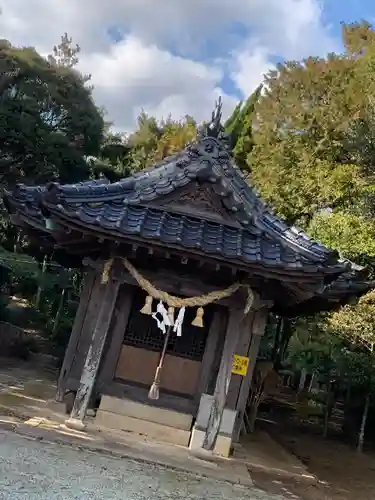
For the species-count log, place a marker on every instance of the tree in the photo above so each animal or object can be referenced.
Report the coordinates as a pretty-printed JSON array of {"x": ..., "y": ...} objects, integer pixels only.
[
  {"x": 351, "y": 234},
  {"x": 313, "y": 131},
  {"x": 115, "y": 159},
  {"x": 48, "y": 120},
  {"x": 232, "y": 122},
  {"x": 240, "y": 128},
  {"x": 66, "y": 54},
  {"x": 153, "y": 141},
  {"x": 357, "y": 325}
]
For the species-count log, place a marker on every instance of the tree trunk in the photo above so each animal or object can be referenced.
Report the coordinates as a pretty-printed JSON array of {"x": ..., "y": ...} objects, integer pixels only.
[
  {"x": 58, "y": 313},
  {"x": 328, "y": 409},
  {"x": 302, "y": 380},
  {"x": 361, "y": 437},
  {"x": 276, "y": 345},
  {"x": 311, "y": 382},
  {"x": 40, "y": 288}
]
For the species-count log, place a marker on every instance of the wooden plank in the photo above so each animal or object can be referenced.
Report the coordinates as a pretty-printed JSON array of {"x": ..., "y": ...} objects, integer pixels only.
[
  {"x": 216, "y": 328},
  {"x": 75, "y": 334},
  {"x": 94, "y": 354},
  {"x": 258, "y": 328},
  {"x": 179, "y": 375},
  {"x": 223, "y": 379},
  {"x": 121, "y": 317},
  {"x": 242, "y": 349}
]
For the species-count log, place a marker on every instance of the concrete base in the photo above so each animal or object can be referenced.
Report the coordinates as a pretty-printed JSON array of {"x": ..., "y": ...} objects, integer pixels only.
[
  {"x": 222, "y": 447},
  {"x": 224, "y": 440},
  {"x": 152, "y": 430},
  {"x": 75, "y": 424},
  {"x": 144, "y": 411}
]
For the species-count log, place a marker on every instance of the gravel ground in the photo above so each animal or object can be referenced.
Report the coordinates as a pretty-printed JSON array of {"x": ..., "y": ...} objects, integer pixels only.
[{"x": 36, "y": 470}]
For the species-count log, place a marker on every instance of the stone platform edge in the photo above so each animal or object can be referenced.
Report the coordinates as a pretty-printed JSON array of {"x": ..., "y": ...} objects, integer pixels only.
[{"x": 194, "y": 465}]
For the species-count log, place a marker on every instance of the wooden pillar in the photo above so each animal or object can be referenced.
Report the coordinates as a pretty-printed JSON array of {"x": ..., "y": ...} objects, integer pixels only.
[
  {"x": 75, "y": 335},
  {"x": 258, "y": 327},
  {"x": 217, "y": 328},
  {"x": 94, "y": 354},
  {"x": 242, "y": 349},
  {"x": 223, "y": 379},
  {"x": 120, "y": 320}
]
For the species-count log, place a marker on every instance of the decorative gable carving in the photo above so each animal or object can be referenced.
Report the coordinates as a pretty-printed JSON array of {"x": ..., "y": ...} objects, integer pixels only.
[
  {"x": 200, "y": 198},
  {"x": 197, "y": 200}
]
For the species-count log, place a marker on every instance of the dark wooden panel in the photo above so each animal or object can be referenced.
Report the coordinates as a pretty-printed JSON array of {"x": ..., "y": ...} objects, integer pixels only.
[
  {"x": 116, "y": 334},
  {"x": 215, "y": 335}
]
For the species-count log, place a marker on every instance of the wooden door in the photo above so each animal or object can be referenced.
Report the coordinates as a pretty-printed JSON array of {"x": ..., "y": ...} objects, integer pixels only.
[{"x": 142, "y": 345}]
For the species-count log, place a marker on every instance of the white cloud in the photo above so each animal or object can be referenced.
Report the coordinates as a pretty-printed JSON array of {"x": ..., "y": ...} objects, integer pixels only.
[
  {"x": 162, "y": 64},
  {"x": 133, "y": 76},
  {"x": 249, "y": 67}
]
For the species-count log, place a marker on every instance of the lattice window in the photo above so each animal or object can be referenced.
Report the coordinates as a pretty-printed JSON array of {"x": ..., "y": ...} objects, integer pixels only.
[{"x": 143, "y": 332}]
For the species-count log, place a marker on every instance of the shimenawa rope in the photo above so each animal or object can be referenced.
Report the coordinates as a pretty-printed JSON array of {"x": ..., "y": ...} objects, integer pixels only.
[{"x": 174, "y": 302}]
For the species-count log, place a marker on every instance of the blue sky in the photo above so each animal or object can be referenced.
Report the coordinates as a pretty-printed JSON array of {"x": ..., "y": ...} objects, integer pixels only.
[
  {"x": 336, "y": 11},
  {"x": 177, "y": 56}
]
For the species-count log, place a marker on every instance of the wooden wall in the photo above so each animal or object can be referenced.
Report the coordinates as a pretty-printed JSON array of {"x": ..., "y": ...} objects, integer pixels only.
[{"x": 179, "y": 375}]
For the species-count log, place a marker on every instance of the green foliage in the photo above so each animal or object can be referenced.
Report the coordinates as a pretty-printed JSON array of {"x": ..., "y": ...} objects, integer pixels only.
[
  {"x": 48, "y": 121},
  {"x": 153, "y": 141},
  {"x": 313, "y": 348},
  {"x": 356, "y": 322},
  {"x": 240, "y": 128},
  {"x": 351, "y": 234},
  {"x": 314, "y": 132}
]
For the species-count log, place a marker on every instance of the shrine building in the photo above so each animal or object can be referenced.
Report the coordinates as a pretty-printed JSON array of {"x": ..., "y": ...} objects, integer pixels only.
[{"x": 183, "y": 262}]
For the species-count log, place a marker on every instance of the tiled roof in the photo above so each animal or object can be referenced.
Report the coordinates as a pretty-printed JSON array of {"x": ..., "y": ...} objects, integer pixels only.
[
  {"x": 125, "y": 208},
  {"x": 338, "y": 292},
  {"x": 191, "y": 233},
  {"x": 133, "y": 208}
]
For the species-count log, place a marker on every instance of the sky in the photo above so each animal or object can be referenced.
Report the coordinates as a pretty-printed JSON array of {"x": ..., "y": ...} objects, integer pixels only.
[{"x": 177, "y": 56}]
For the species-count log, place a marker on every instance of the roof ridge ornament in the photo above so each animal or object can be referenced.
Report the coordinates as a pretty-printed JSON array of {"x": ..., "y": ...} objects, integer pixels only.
[{"x": 214, "y": 129}]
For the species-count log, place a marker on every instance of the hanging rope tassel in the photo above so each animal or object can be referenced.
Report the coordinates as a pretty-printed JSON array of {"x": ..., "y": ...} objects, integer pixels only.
[
  {"x": 147, "y": 308},
  {"x": 153, "y": 393},
  {"x": 198, "y": 321},
  {"x": 154, "y": 389}
]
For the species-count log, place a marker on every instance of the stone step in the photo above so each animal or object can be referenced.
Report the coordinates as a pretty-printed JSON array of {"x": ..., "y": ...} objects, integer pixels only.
[
  {"x": 157, "y": 432},
  {"x": 128, "y": 408}
]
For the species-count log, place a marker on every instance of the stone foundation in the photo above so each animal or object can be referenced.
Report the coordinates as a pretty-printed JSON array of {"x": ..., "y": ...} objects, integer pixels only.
[
  {"x": 155, "y": 423},
  {"x": 222, "y": 447},
  {"x": 224, "y": 440}
]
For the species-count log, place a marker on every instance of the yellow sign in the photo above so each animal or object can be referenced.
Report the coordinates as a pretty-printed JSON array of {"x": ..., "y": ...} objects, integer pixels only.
[{"x": 240, "y": 365}]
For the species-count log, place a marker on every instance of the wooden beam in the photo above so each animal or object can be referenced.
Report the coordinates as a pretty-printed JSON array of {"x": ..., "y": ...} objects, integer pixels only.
[
  {"x": 75, "y": 335},
  {"x": 223, "y": 379},
  {"x": 94, "y": 354},
  {"x": 258, "y": 328},
  {"x": 174, "y": 284}
]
